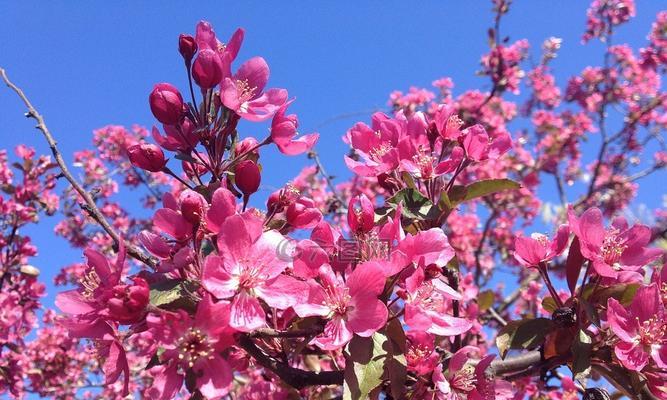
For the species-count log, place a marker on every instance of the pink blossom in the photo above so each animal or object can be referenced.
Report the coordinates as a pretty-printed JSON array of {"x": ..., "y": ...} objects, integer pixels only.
[
  {"x": 283, "y": 132},
  {"x": 426, "y": 306},
  {"x": 352, "y": 306},
  {"x": 618, "y": 248},
  {"x": 244, "y": 92},
  {"x": 641, "y": 329},
  {"x": 250, "y": 267},
  {"x": 537, "y": 249},
  {"x": 192, "y": 345}
]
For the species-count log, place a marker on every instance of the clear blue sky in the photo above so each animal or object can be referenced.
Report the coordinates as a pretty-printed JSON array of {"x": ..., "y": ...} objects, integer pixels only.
[{"x": 88, "y": 64}]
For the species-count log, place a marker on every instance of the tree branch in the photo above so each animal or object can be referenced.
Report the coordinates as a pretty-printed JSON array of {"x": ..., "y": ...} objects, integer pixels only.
[
  {"x": 297, "y": 378},
  {"x": 89, "y": 203}
]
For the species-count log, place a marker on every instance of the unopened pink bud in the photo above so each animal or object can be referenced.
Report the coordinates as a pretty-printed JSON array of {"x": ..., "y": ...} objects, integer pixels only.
[
  {"x": 193, "y": 206},
  {"x": 303, "y": 213},
  {"x": 166, "y": 103},
  {"x": 360, "y": 214},
  {"x": 247, "y": 177},
  {"x": 207, "y": 69},
  {"x": 187, "y": 46},
  {"x": 147, "y": 156}
]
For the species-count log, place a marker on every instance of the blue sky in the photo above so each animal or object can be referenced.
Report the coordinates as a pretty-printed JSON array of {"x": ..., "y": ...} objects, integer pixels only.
[{"x": 89, "y": 64}]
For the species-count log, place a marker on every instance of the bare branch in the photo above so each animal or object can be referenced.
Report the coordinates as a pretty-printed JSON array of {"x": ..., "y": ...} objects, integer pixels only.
[{"x": 88, "y": 204}]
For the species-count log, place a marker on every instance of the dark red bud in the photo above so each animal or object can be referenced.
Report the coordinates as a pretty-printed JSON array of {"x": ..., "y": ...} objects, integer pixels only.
[
  {"x": 187, "y": 46},
  {"x": 147, "y": 156},
  {"x": 207, "y": 69},
  {"x": 247, "y": 177},
  {"x": 166, "y": 103}
]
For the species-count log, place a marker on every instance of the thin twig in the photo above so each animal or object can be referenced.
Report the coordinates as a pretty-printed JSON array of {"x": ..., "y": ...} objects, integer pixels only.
[{"x": 89, "y": 203}]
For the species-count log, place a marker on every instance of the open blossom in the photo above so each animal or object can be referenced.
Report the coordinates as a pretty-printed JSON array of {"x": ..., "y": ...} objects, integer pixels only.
[
  {"x": 426, "y": 306},
  {"x": 244, "y": 92},
  {"x": 641, "y": 329},
  {"x": 466, "y": 380},
  {"x": 536, "y": 249},
  {"x": 421, "y": 355},
  {"x": 283, "y": 133},
  {"x": 249, "y": 267},
  {"x": 99, "y": 304},
  {"x": 192, "y": 344},
  {"x": 352, "y": 305},
  {"x": 479, "y": 146},
  {"x": 617, "y": 248}
]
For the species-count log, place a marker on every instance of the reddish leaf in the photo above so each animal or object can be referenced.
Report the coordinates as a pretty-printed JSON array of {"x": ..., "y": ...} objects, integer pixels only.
[{"x": 574, "y": 263}]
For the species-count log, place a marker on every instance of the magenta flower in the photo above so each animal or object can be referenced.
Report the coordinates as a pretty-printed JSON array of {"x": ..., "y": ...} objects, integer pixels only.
[
  {"x": 421, "y": 355},
  {"x": 192, "y": 345},
  {"x": 360, "y": 214},
  {"x": 249, "y": 267},
  {"x": 641, "y": 329},
  {"x": 479, "y": 146},
  {"x": 536, "y": 249},
  {"x": 376, "y": 144},
  {"x": 615, "y": 249},
  {"x": 206, "y": 40},
  {"x": 244, "y": 92},
  {"x": 352, "y": 306},
  {"x": 466, "y": 380},
  {"x": 283, "y": 132},
  {"x": 102, "y": 301},
  {"x": 223, "y": 205},
  {"x": 426, "y": 306}
]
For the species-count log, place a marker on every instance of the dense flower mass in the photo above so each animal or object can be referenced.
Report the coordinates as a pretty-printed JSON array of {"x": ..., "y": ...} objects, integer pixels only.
[{"x": 414, "y": 279}]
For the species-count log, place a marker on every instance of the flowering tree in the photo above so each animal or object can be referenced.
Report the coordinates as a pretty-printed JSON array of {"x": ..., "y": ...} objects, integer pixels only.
[{"x": 384, "y": 286}]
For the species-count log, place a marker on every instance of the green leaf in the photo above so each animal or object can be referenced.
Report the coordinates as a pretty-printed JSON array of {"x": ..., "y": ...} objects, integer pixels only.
[
  {"x": 581, "y": 351},
  {"x": 415, "y": 205},
  {"x": 364, "y": 366},
  {"x": 174, "y": 294},
  {"x": 485, "y": 300},
  {"x": 459, "y": 194},
  {"x": 523, "y": 334}
]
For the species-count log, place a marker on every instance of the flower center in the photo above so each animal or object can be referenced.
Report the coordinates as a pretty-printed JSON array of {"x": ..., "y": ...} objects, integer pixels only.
[
  {"x": 612, "y": 247},
  {"x": 245, "y": 91},
  {"x": 464, "y": 379},
  {"x": 651, "y": 331},
  {"x": 371, "y": 247},
  {"x": 90, "y": 281},
  {"x": 380, "y": 151},
  {"x": 194, "y": 345}
]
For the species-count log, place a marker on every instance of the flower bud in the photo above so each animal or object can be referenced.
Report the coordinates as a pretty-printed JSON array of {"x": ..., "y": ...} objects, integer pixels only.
[
  {"x": 187, "y": 46},
  {"x": 166, "y": 103},
  {"x": 147, "y": 156},
  {"x": 360, "y": 214},
  {"x": 128, "y": 302},
  {"x": 303, "y": 213},
  {"x": 193, "y": 206},
  {"x": 246, "y": 145},
  {"x": 247, "y": 177},
  {"x": 207, "y": 69}
]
